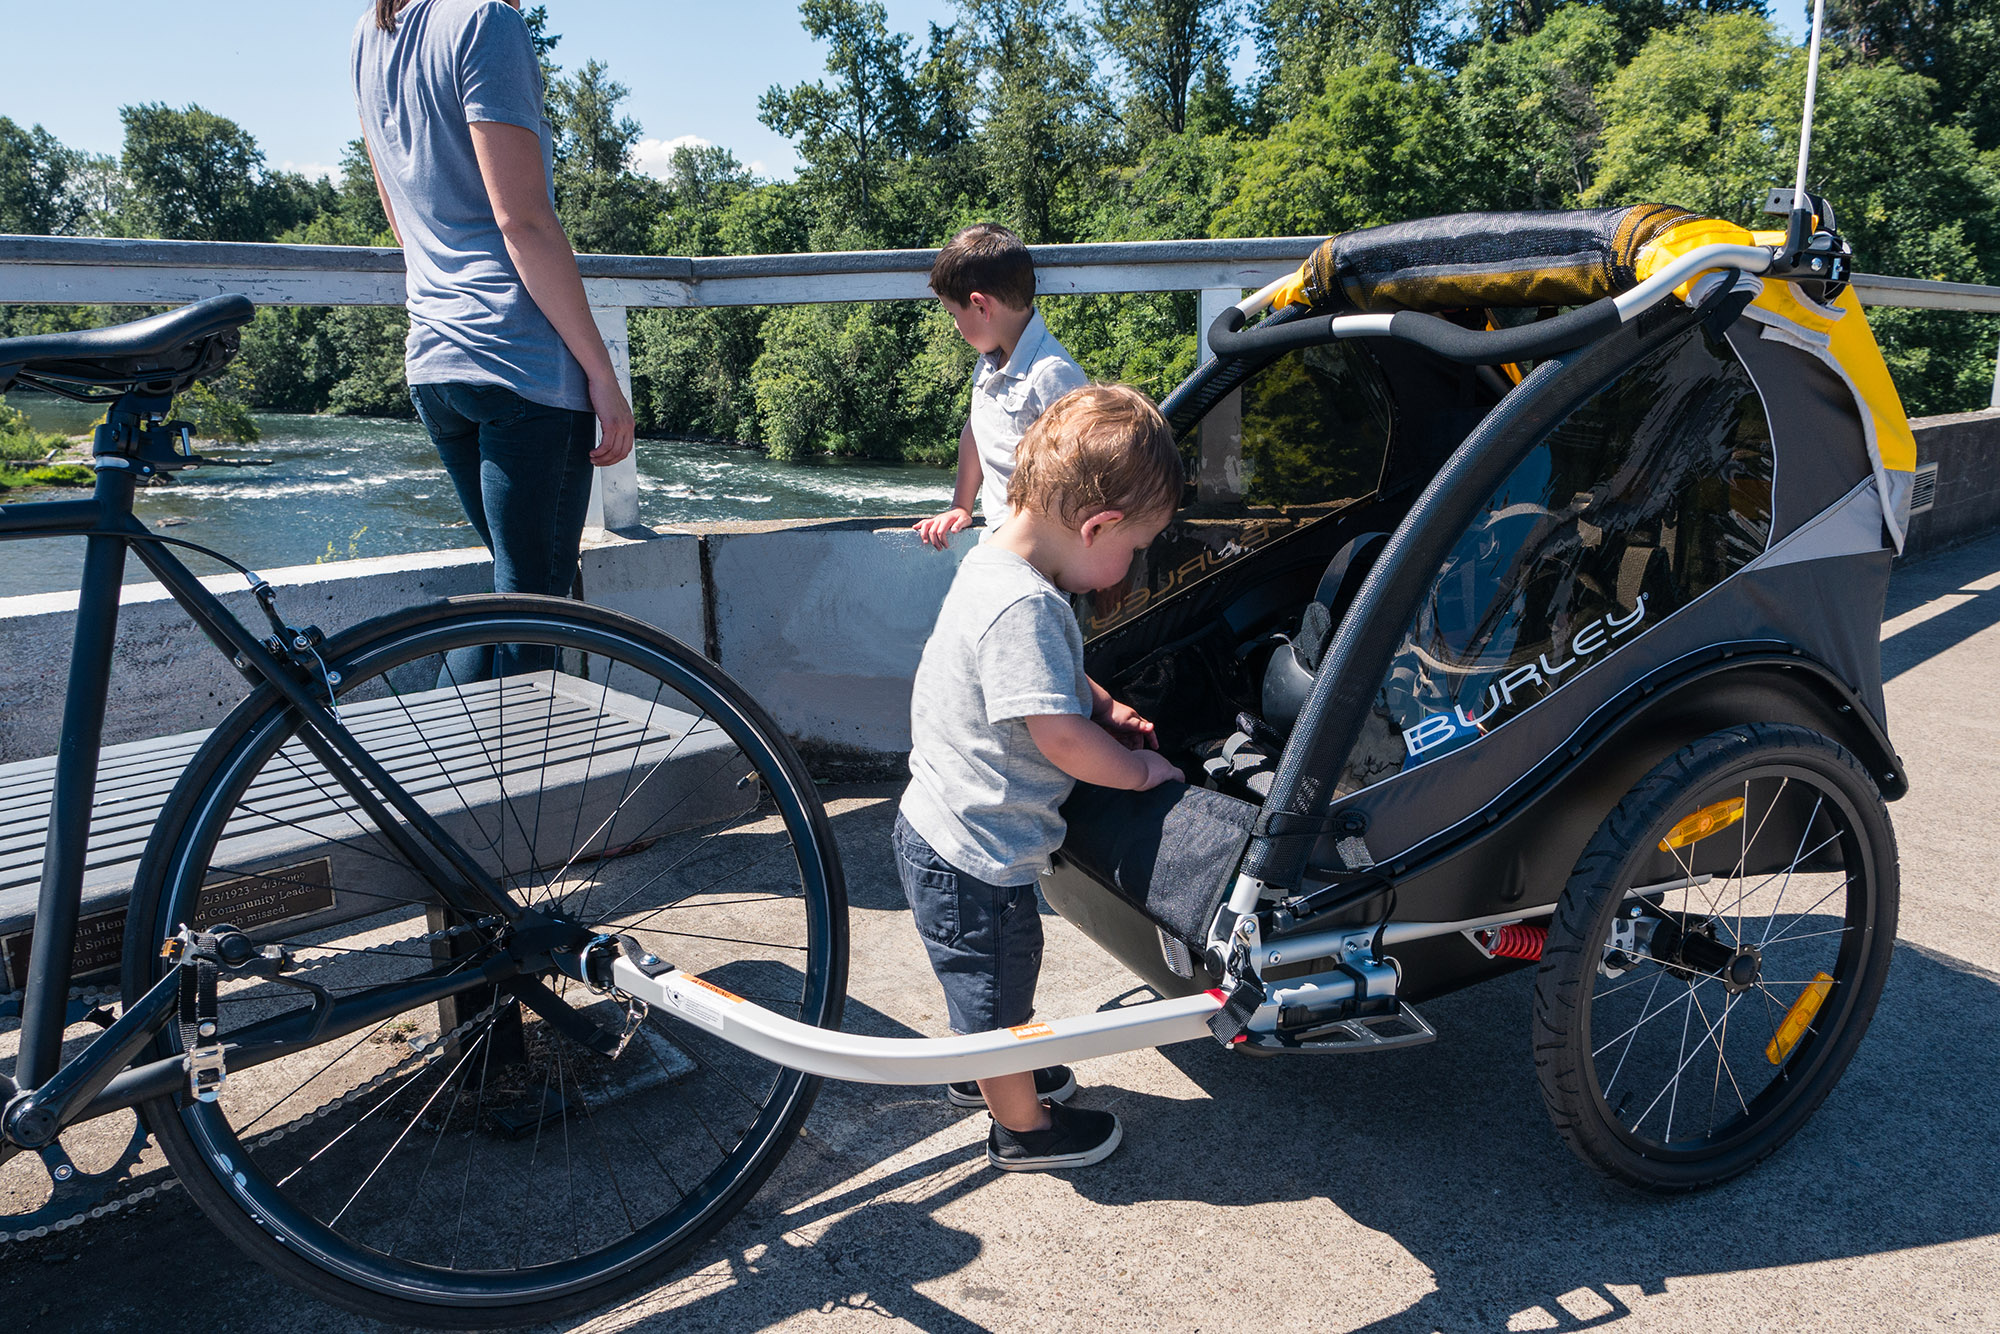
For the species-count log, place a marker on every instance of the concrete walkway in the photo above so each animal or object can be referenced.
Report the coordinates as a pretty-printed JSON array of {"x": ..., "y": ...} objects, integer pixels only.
[{"x": 1417, "y": 1192}]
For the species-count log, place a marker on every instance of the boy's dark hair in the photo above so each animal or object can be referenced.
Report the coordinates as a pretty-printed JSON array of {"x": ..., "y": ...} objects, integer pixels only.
[
  {"x": 989, "y": 258},
  {"x": 1101, "y": 447}
]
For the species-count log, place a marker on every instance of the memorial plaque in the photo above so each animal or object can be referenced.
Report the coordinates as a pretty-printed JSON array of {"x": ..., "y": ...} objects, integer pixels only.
[{"x": 247, "y": 902}]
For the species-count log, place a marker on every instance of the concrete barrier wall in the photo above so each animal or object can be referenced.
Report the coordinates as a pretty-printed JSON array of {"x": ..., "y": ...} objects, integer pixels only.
[
  {"x": 168, "y": 678},
  {"x": 1966, "y": 448},
  {"x": 822, "y": 622}
]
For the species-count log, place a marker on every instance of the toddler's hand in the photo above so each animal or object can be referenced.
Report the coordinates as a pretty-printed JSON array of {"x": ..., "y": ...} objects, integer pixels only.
[
  {"x": 1157, "y": 771},
  {"x": 937, "y": 529},
  {"x": 1127, "y": 727}
]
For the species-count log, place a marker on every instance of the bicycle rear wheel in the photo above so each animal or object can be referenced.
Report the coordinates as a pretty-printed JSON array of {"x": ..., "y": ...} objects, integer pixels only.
[{"x": 470, "y": 1163}]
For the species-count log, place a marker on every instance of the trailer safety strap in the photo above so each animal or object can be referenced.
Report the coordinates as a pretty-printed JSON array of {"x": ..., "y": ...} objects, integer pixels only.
[{"x": 1229, "y": 1023}]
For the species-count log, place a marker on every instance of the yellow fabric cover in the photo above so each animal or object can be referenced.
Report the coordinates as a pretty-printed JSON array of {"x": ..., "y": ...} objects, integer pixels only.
[{"x": 1845, "y": 328}]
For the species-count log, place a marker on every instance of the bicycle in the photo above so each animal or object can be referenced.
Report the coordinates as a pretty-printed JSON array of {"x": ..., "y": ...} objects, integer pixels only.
[{"x": 391, "y": 1082}]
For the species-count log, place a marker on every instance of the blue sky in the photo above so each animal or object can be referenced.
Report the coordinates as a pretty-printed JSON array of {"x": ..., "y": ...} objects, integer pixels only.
[{"x": 279, "y": 67}]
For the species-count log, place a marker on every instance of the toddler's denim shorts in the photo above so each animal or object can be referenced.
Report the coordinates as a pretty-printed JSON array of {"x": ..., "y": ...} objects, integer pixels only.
[{"x": 985, "y": 941}]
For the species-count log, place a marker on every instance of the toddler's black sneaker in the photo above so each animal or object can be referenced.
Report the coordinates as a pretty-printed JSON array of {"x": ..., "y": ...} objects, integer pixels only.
[
  {"x": 1076, "y": 1137},
  {"x": 1055, "y": 1084}
]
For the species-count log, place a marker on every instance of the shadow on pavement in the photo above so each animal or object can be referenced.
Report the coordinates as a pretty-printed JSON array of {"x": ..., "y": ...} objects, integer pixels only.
[
  {"x": 1945, "y": 575},
  {"x": 1447, "y": 1150}
]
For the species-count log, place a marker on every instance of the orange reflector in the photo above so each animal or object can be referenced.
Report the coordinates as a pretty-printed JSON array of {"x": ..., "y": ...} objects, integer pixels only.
[
  {"x": 1706, "y": 821},
  {"x": 1798, "y": 1019}
]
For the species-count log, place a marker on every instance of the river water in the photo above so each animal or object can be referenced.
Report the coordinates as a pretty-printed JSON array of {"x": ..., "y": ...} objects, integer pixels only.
[{"x": 347, "y": 487}]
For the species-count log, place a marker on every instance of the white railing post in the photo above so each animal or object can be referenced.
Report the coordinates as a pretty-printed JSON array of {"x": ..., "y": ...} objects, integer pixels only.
[
  {"x": 1219, "y": 474},
  {"x": 614, "y": 491}
]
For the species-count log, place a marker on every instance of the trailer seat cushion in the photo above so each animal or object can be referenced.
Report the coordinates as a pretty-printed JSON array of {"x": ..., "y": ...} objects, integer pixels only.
[{"x": 1169, "y": 852}]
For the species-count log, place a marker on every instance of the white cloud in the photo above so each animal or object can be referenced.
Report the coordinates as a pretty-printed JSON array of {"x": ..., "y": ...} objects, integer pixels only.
[
  {"x": 655, "y": 157},
  {"x": 310, "y": 170}
]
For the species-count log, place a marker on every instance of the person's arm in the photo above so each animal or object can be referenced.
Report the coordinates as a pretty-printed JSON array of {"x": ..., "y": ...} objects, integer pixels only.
[
  {"x": 382, "y": 193},
  {"x": 510, "y": 164},
  {"x": 1121, "y": 720},
  {"x": 937, "y": 529},
  {"x": 1086, "y": 752}
]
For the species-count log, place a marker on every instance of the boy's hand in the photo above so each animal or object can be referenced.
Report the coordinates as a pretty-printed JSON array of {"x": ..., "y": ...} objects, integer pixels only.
[
  {"x": 1126, "y": 726},
  {"x": 1157, "y": 771},
  {"x": 937, "y": 529}
]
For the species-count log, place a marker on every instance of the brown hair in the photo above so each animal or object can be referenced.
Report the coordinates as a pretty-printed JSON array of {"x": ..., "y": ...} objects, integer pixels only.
[
  {"x": 1101, "y": 447},
  {"x": 385, "y": 13},
  {"x": 989, "y": 258}
]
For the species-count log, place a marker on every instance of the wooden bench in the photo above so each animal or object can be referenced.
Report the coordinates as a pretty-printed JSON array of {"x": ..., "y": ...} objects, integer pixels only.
[{"x": 538, "y": 761}]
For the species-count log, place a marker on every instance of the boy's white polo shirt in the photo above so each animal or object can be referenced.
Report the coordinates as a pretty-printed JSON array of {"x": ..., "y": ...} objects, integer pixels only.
[{"x": 1007, "y": 399}]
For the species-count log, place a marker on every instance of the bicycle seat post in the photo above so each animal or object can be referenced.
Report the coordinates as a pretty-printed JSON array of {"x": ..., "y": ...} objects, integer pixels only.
[{"x": 118, "y": 444}]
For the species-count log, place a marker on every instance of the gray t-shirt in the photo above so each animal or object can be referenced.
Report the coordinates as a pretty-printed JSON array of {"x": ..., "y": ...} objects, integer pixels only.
[
  {"x": 1006, "y": 648},
  {"x": 450, "y": 63}
]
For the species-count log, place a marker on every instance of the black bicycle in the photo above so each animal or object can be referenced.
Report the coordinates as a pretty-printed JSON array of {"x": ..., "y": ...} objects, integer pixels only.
[{"x": 355, "y": 1008}]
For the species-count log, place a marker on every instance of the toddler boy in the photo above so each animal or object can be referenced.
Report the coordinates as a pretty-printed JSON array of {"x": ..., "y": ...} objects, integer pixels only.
[
  {"x": 986, "y": 279},
  {"x": 1004, "y": 721}
]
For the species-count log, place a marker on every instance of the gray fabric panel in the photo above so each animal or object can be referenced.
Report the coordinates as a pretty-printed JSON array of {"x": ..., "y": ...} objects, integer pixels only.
[
  {"x": 1851, "y": 527},
  {"x": 1815, "y": 429},
  {"x": 1170, "y": 852}
]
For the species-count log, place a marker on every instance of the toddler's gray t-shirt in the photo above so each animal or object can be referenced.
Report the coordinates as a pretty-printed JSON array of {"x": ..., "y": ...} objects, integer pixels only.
[
  {"x": 1006, "y": 648},
  {"x": 448, "y": 64}
]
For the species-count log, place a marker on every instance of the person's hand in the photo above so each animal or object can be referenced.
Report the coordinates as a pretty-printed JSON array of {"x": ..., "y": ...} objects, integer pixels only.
[
  {"x": 1127, "y": 727},
  {"x": 1156, "y": 771},
  {"x": 614, "y": 421},
  {"x": 937, "y": 529}
]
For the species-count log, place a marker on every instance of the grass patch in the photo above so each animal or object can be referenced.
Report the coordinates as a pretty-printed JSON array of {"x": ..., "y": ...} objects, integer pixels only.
[{"x": 14, "y": 476}]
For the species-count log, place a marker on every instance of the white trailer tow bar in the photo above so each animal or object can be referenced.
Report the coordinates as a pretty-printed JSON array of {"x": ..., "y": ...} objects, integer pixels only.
[{"x": 868, "y": 1060}]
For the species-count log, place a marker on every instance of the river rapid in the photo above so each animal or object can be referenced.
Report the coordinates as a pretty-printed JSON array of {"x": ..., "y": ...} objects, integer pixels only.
[{"x": 341, "y": 488}]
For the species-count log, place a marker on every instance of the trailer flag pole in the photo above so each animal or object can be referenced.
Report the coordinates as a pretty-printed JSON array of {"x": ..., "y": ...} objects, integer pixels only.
[{"x": 1799, "y": 229}]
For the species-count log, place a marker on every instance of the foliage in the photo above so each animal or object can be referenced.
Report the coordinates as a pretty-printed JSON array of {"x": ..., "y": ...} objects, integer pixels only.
[
  {"x": 218, "y": 411},
  {"x": 1380, "y": 144},
  {"x": 38, "y": 182},
  {"x": 23, "y": 451},
  {"x": 1087, "y": 120},
  {"x": 1165, "y": 46},
  {"x": 194, "y": 175}
]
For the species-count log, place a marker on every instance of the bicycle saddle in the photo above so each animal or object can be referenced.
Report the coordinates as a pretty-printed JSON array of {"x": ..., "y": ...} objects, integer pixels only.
[{"x": 161, "y": 354}]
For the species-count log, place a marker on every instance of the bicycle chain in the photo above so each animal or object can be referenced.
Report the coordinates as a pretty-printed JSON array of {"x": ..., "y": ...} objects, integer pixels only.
[{"x": 430, "y": 1051}]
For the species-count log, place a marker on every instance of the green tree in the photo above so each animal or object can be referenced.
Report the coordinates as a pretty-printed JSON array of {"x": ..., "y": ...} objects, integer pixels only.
[
  {"x": 1045, "y": 119},
  {"x": 605, "y": 206},
  {"x": 1530, "y": 113},
  {"x": 1379, "y": 145},
  {"x": 194, "y": 175},
  {"x": 1706, "y": 116},
  {"x": 1955, "y": 43},
  {"x": 38, "y": 177},
  {"x": 855, "y": 131},
  {"x": 1301, "y": 44},
  {"x": 1163, "y": 47}
]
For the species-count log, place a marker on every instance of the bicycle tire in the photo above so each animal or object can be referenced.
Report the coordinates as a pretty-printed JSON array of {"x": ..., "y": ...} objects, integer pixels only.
[
  {"x": 1636, "y": 983},
  {"x": 236, "y": 1169}
]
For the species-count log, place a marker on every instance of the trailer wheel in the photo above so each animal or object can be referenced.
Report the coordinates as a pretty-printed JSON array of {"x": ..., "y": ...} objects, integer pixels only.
[{"x": 1715, "y": 958}]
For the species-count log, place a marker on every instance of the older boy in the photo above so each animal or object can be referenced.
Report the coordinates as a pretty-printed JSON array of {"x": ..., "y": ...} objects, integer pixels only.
[
  {"x": 1004, "y": 722},
  {"x": 986, "y": 279}
]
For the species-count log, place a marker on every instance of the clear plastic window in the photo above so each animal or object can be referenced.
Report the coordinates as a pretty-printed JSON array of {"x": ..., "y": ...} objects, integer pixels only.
[{"x": 1638, "y": 502}]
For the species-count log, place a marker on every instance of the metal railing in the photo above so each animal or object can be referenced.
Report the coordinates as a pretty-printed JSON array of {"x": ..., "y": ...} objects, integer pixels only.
[{"x": 108, "y": 271}]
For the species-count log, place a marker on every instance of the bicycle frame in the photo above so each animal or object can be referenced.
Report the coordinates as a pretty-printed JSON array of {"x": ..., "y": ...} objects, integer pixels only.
[{"x": 44, "y": 1095}]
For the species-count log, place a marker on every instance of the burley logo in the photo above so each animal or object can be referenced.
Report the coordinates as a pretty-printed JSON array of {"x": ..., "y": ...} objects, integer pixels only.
[{"x": 1440, "y": 730}]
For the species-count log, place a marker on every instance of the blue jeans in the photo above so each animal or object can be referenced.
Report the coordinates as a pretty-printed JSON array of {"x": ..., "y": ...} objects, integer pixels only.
[
  {"x": 984, "y": 941},
  {"x": 522, "y": 472}
]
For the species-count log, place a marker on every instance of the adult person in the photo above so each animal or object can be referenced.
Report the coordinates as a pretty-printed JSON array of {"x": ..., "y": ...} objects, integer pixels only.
[{"x": 505, "y": 364}]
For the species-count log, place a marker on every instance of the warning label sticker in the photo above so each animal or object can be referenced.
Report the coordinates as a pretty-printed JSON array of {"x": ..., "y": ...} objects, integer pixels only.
[{"x": 1031, "y": 1031}]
